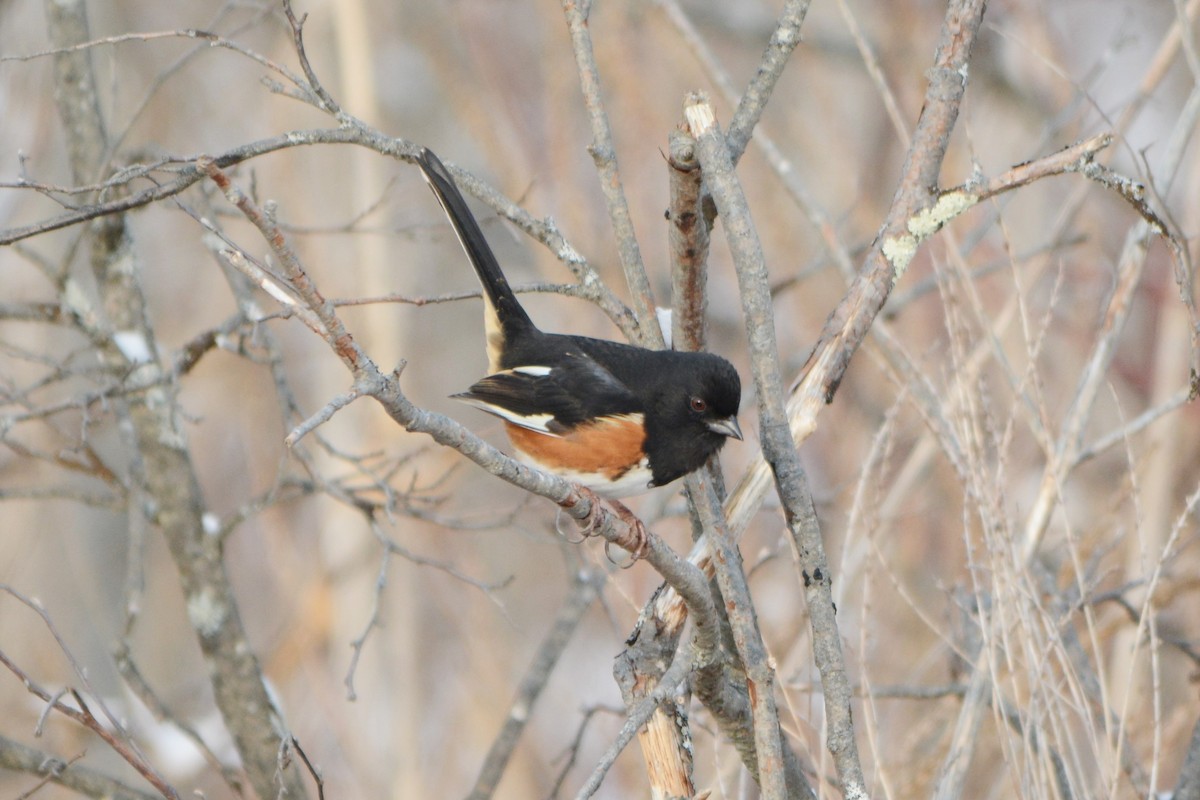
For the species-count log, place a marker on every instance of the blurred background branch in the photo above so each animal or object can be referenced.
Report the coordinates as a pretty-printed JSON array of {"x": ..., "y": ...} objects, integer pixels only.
[{"x": 1006, "y": 477}]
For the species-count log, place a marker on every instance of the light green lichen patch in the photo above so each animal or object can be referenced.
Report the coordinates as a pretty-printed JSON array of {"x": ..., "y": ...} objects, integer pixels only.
[
  {"x": 928, "y": 222},
  {"x": 899, "y": 250}
]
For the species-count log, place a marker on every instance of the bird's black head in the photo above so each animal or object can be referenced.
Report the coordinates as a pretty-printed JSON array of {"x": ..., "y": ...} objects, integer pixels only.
[{"x": 693, "y": 412}]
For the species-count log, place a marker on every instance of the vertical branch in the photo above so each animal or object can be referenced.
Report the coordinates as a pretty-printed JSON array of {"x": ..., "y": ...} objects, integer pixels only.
[
  {"x": 1070, "y": 441},
  {"x": 889, "y": 254},
  {"x": 737, "y": 706},
  {"x": 743, "y": 621},
  {"x": 639, "y": 672},
  {"x": 726, "y": 700},
  {"x": 1188, "y": 787},
  {"x": 168, "y": 487},
  {"x": 641, "y": 713},
  {"x": 751, "y": 104},
  {"x": 604, "y": 154},
  {"x": 791, "y": 482},
  {"x": 688, "y": 241},
  {"x": 75, "y": 89}
]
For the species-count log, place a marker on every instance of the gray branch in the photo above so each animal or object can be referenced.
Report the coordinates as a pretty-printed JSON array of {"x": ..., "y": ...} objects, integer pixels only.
[
  {"x": 84, "y": 780},
  {"x": 776, "y": 441},
  {"x": 168, "y": 490}
]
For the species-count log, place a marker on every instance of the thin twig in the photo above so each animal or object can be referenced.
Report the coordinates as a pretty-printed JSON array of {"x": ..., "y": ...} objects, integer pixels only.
[
  {"x": 138, "y": 685},
  {"x": 113, "y": 734},
  {"x": 335, "y": 404},
  {"x": 672, "y": 678},
  {"x": 318, "y": 779},
  {"x": 585, "y": 585},
  {"x": 17, "y": 757},
  {"x": 604, "y": 155},
  {"x": 785, "y": 36},
  {"x": 572, "y": 751}
]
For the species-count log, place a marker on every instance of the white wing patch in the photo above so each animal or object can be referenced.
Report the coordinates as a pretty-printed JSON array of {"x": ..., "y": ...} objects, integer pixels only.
[{"x": 535, "y": 422}]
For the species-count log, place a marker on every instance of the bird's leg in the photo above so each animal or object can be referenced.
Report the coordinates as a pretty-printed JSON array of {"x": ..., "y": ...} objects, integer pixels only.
[
  {"x": 588, "y": 529},
  {"x": 641, "y": 539},
  {"x": 589, "y": 523},
  {"x": 637, "y": 543}
]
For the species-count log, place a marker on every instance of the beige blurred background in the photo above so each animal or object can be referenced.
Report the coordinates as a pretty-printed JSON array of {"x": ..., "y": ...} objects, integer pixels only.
[{"x": 492, "y": 86}]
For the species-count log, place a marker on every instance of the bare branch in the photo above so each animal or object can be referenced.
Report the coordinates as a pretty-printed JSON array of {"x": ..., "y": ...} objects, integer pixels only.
[
  {"x": 784, "y": 39},
  {"x": 572, "y": 752},
  {"x": 584, "y": 587},
  {"x": 1066, "y": 650},
  {"x": 137, "y": 684},
  {"x": 604, "y": 154},
  {"x": 325, "y": 100},
  {"x": 594, "y": 517},
  {"x": 321, "y": 417},
  {"x": 675, "y": 675},
  {"x": 153, "y": 429},
  {"x": 1188, "y": 787},
  {"x": 791, "y": 484},
  {"x": 113, "y": 734},
  {"x": 688, "y": 239},
  {"x": 19, "y": 758}
]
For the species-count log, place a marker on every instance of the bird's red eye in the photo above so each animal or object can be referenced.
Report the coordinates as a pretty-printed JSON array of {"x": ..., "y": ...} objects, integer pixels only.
[{"x": 699, "y": 404}]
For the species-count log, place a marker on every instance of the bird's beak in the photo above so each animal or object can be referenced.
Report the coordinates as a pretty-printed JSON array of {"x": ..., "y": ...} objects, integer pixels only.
[{"x": 726, "y": 427}]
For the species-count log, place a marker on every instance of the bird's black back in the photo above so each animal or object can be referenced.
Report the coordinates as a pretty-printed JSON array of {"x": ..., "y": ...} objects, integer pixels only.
[{"x": 558, "y": 381}]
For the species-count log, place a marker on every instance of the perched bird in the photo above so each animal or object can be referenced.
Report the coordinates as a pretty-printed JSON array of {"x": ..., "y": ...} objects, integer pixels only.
[{"x": 615, "y": 418}]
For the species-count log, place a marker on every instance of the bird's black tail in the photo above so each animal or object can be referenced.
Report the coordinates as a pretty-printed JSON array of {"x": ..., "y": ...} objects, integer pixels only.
[{"x": 505, "y": 313}]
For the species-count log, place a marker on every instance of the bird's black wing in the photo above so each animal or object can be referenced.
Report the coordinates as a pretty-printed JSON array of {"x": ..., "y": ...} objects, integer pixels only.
[{"x": 553, "y": 399}]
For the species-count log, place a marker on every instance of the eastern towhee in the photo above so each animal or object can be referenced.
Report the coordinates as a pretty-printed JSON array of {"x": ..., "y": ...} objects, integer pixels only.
[{"x": 616, "y": 418}]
